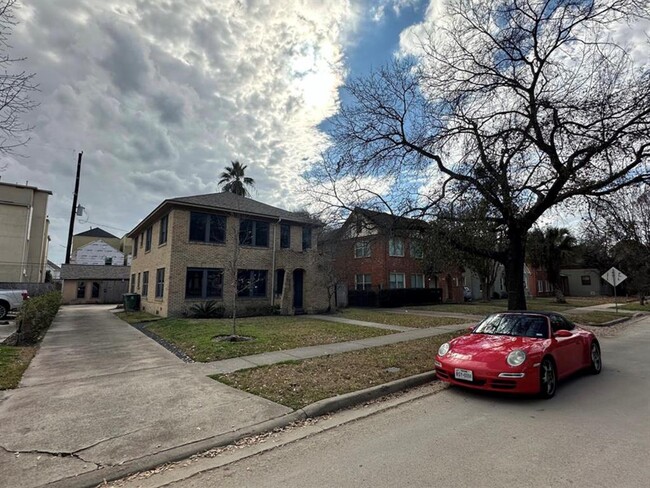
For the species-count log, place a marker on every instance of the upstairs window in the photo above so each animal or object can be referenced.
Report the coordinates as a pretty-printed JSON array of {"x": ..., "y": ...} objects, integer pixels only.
[
  {"x": 417, "y": 249},
  {"x": 148, "y": 236},
  {"x": 285, "y": 236},
  {"x": 162, "y": 235},
  {"x": 306, "y": 238},
  {"x": 253, "y": 233},
  {"x": 207, "y": 228},
  {"x": 135, "y": 247},
  {"x": 396, "y": 247},
  {"x": 361, "y": 249}
]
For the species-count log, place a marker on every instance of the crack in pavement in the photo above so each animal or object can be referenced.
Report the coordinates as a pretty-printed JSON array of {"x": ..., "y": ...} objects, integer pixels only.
[{"x": 53, "y": 454}]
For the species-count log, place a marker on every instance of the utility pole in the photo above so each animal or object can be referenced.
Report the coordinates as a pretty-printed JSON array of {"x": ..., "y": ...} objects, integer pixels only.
[{"x": 74, "y": 210}]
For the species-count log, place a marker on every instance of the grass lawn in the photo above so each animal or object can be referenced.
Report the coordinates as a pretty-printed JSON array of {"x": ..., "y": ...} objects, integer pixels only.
[
  {"x": 137, "y": 317},
  {"x": 636, "y": 306},
  {"x": 380, "y": 316},
  {"x": 299, "y": 383},
  {"x": 13, "y": 363},
  {"x": 194, "y": 336},
  {"x": 595, "y": 317}
]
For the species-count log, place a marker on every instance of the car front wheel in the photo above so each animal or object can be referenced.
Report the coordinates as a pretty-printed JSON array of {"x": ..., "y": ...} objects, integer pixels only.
[
  {"x": 596, "y": 358},
  {"x": 4, "y": 310},
  {"x": 547, "y": 379}
]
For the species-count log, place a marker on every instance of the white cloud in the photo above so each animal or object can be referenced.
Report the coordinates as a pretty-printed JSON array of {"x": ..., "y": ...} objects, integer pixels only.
[
  {"x": 160, "y": 96},
  {"x": 378, "y": 10}
]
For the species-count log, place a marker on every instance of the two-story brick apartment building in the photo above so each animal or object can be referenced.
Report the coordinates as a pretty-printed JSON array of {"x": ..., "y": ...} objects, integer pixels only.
[
  {"x": 211, "y": 247},
  {"x": 376, "y": 250}
]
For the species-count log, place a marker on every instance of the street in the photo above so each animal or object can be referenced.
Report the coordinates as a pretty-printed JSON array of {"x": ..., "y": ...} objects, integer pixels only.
[{"x": 595, "y": 432}]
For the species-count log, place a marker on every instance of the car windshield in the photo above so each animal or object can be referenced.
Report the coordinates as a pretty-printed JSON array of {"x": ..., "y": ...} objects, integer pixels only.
[{"x": 514, "y": 325}]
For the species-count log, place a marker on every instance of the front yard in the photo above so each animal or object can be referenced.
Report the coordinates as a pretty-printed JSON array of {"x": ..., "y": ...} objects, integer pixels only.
[
  {"x": 596, "y": 317},
  {"x": 196, "y": 337},
  {"x": 13, "y": 363},
  {"x": 380, "y": 316},
  {"x": 299, "y": 383}
]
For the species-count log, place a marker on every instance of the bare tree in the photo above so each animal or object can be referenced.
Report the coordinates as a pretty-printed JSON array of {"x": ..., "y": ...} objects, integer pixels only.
[
  {"x": 523, "y": 105},
  {"x": 16, "y": 86}
]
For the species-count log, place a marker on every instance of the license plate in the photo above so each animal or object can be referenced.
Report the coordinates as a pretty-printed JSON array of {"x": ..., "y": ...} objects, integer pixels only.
[{"x": 463, "y": 374}]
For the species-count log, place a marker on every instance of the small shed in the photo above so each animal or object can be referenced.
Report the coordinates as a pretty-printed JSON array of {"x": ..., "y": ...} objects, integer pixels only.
[{"x": 94, "y": 284}]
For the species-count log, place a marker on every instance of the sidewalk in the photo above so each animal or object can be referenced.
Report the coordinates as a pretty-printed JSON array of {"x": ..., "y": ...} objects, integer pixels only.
[{"x": 603, "y": 307}]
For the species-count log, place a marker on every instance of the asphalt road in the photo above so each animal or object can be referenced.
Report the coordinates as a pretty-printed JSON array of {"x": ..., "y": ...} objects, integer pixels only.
[{"x": 594, "y": 433}]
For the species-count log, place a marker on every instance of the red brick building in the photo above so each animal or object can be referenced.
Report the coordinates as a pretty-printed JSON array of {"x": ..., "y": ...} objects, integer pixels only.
[{"x": 375, "y": 250}]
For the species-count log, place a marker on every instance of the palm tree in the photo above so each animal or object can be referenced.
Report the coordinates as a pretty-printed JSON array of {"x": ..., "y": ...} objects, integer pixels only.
[
  {"x": 234, "y": 181},
  {"x": 548, "y": 249}
]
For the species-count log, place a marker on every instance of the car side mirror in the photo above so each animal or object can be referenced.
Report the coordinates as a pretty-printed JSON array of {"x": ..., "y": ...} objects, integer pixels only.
[{"x": 562, "y": 333}]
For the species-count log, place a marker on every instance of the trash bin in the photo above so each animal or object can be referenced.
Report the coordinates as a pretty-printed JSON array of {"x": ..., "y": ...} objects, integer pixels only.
[{"x": 131, "y": 302}]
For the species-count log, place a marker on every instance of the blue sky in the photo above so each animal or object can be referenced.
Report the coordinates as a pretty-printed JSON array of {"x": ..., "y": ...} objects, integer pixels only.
[{"x": 161, "y": 96}]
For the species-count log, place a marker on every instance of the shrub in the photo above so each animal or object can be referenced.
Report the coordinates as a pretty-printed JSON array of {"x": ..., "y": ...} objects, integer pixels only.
[
  {"x": 35, "y": 317},
  {"x": 207, "y": 310}
]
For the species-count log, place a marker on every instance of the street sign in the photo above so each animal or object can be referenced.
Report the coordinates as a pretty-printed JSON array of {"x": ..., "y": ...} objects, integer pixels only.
[{"x": 614, "y": 277}]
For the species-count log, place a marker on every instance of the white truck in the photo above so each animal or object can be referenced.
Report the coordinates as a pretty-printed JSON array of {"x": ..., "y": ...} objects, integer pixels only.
[{"x": 11, "y": 300}]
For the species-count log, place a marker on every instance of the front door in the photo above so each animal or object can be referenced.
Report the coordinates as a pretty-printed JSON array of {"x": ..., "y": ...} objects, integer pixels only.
[{"x": 298, "y": 276}]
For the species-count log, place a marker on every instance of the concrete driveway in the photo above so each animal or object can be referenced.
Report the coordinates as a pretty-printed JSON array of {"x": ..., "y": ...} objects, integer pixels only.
[{"x": 100, "y": 393}]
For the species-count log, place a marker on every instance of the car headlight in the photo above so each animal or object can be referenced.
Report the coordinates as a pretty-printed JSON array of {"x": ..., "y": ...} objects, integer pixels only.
[
  {"x": 516, "y": 357},
  {"x": 444, "y": 349}
]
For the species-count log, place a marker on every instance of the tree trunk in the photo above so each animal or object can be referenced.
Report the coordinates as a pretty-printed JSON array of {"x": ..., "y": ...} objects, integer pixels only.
[
  {"x": 559, "y": 295},
  {"x": 514, "y": 268}
]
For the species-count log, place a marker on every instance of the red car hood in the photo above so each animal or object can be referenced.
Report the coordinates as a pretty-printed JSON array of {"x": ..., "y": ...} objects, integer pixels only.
[{"x": 485, "y": 347}]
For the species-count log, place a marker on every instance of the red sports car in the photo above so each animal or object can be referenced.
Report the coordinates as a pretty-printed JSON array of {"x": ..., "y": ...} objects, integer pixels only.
[{"x": 520, "y": 352}]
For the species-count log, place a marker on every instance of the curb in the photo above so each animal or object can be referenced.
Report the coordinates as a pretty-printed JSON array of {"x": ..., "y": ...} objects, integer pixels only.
[{"x": 94, "y": 478}]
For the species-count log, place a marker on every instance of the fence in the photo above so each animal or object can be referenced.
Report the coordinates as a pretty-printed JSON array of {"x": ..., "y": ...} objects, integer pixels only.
[
  {"x": 34, "y": 289},
  {"x": 394, "y": 297}
]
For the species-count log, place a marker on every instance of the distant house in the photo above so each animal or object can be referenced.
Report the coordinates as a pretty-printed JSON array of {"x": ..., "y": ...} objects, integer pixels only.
[
  {"x": 99, "y": 247},
  {"x": 94, "y": 284},
  {"x": 23, "y": 233},
  {"x": 220, "y": 245},
  {"x": 54, "y": 270},
  {"x": 376, "y": 250},
  {"x": 97, "y": 253}
]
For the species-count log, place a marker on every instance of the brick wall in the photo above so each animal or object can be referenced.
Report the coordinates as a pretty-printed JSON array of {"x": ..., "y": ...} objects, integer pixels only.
[{"x": 179, "y": 253}]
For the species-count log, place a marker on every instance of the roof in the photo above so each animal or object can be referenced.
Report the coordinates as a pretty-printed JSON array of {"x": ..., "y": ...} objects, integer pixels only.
[
  {"x": 97, "y": 232},
  {"x": 27, "y": 187},
  {"x": 226, "y": 202},
  {"x": 390, "y": 221},
  {"x": 94, "y": 272},
  {"x": 52, "y": 265}
]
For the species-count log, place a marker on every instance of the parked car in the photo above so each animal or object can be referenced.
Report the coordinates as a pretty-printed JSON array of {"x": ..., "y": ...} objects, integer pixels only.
[
  {"x": 467, "y": 294},
  {"x": 519, "y": 352},
  {"x": 11, "y": 300}
]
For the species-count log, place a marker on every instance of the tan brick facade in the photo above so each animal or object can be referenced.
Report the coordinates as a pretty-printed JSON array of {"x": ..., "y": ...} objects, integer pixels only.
[{"x": 179, "y": 253}]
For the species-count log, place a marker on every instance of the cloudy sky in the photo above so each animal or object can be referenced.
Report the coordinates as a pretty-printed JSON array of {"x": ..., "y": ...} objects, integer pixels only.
[{"x": 160, "y": 95}]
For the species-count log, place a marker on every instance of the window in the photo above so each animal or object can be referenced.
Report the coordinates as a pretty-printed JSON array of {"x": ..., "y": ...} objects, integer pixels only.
[
  {"x": 285, "y": 236},
  {"x": 362, "y": 282},
  {"x": 586, "y": 280},
  {"x": 560, "y": 323},
  {"x": 132, "y": 283},
  {"x": 137, "y": 286},
  {"x": 253, "y": 233},
  {"x": 204, "y": 283},
  {"x": 540, "y": 286},
  {"x": 94, "y": 293},
  {"x": 417, "y": 249},
  {"x": 251, "y": 283},
  {"x": 108, "y": 261},
  {"x": 396, "y": 280},
  {"x": 148, "y": 235},
  {"x": 279, "y": 281},
  {"x": 417, "y": 281},
  {"x": 207, "y": 228},
  {"x": 160, "y": 282},
  {"x": 81, "y": 289},
  {"x": 306, "y": 238},
  {"x": 145, "y": 283},
  {"x": 396, "y": 247},
  {"x": 135, "y": 247},
  {"x": 162, "y": 235},
  {"x": 361, "y": 249}
]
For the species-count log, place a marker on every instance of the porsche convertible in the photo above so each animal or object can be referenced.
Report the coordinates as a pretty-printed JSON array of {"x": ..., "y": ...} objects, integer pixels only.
[{"x": 518, "y": 352}]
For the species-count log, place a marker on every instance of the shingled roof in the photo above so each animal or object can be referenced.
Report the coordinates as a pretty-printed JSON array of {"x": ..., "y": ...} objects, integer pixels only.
[
  {"x": 97, "y": 232},
  {"x": 94, "y": 272},
  {"x": 389, "y": 221},
  {"x": 226, "y": 202}
]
